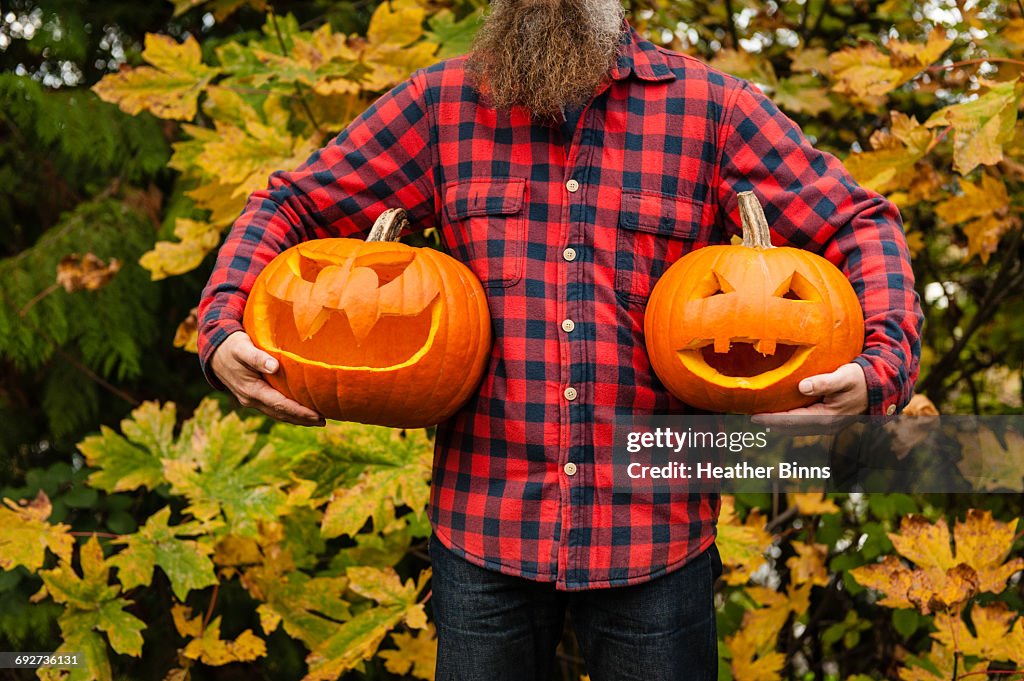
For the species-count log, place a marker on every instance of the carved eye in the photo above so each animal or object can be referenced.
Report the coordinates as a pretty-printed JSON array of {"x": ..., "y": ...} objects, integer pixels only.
[
  {"x": 714, "y": 284},
  {"x": 797, "y": 287}
]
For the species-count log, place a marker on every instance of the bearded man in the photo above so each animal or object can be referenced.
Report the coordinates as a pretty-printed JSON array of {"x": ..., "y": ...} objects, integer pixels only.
[{"x": 568, "y": 162}]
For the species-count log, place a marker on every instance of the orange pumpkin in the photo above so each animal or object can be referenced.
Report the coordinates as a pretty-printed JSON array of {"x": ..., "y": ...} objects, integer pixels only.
[
  {"x": 376, "y": 332},
  {"x": 736, "y": 328}
]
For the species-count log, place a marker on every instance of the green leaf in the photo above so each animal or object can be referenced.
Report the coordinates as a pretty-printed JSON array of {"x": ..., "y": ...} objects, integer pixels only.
[
  {"x": 133, "y": 460},
  {"x": 396, "y": 472},
  {"x": 454, "y": 37},
  {"x": 185, "y": 562},
  {"x": 216, "y": 471},
  {"x": 91, "y": 603},
  {"x": 905, "y": 621}
]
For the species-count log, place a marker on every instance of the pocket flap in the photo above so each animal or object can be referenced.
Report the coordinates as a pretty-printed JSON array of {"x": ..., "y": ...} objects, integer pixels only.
[
  {"x": 645, "y": 211},
  {"x": 485, "y": 197}
]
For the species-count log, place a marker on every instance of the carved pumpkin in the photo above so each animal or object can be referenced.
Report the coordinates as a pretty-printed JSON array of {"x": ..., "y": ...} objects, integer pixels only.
[
  {"x": 736, "y": 328},
  {"x": 376, "y": 332}
]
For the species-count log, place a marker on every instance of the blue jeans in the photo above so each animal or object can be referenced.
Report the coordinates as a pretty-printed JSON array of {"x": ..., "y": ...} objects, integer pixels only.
[{"x": 495, "y": 627}]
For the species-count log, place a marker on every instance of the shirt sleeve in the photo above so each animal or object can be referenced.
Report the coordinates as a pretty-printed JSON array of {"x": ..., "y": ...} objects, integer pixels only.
[
  {"x": 812, "y": 202},
  {"x": 381, "y": 160}
]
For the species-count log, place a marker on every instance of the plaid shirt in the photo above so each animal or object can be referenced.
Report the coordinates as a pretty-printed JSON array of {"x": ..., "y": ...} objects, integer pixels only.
[{"x": 568, "y": 237}]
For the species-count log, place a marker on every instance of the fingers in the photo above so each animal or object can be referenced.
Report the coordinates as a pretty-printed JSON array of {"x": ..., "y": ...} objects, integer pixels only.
[
  {"x": 259, "y": 395},
  {"x": 241, "y": 366}
]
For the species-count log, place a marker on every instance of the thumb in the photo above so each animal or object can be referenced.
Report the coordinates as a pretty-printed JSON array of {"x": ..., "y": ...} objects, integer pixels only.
[
  {"x": 823, "y": 384},
  {"x": 254, "y": 358}
]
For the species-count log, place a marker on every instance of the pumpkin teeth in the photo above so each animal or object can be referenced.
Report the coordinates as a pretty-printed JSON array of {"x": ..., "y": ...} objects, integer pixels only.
[
  {"x": 722, "y": 345},
  {"x": 766, "y": 346}
]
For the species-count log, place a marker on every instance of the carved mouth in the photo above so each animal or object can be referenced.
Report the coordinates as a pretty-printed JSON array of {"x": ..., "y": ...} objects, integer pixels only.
[
  {"x": 393, "y": 341},
  {"x": 743, "y": 362},
  {"x": 356, "y": 314}
]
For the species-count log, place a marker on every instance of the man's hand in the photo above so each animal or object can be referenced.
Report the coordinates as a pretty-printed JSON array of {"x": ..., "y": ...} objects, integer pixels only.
[
  {"x": 240, "y": 366},
  {"x": 844, "y": 392}
]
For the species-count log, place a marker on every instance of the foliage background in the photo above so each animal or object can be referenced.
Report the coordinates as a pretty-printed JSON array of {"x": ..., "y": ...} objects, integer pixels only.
[{"x": 169, "y": 534}]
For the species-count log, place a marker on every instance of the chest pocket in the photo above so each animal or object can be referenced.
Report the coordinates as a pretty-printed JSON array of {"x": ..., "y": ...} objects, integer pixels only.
[
  {"x": 486, "y": 228},
  {"x": 654, "y": 231}
]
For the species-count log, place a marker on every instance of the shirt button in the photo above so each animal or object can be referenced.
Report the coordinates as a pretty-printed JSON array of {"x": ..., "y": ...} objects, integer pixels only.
[
  {"x": 570, "y": 394},
  {"x": 890, "y": 410},
  {"x": 572, "y": 186},
  {"x": 568, "y": 325},
  {"x": 569, "y": 468},
  {"x": 569, "y": 254}
]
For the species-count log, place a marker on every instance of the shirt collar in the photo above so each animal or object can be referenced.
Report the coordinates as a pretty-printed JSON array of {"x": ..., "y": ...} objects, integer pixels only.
[{"x": 641, "y": 57}]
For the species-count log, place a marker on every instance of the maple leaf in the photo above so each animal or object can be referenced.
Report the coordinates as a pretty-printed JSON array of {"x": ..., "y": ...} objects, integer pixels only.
[
  {"x": 91, "y": 604},
  {"x": 812, "y": 503},
  {"x": 808, "y": 59},
  {"x": 981, "y": 126},
  {"x": 364, "y": 470},
  {"x": 741, "y": 545},
  {"x": 208, "y": 647},
  {"x": 937, "y": 665},
  {"x": 243, "y": 157},
  {"x": 168, "y": 258},
  {"x": 414, "y": 653},
  {"x": 866, "y": 71},
  {"x": 753, "y": 645},
  {"x": 218, "y": 474},
  {"x": 25, "y": 534},
  {"x": 943, "y": 579},
  {"x": 808, "y": 565},
  {"x": 185, "y": 562},
  {"x": 168, "y": 88},
  {"x": 359, "y": 637},
  {"x": 992, "y": 462},
  {"x": 801, "y": 94},
  {"x": 129, "y": 461},
  {"x": 996, "y": 638},
  {"x": 984, "y": 207}
]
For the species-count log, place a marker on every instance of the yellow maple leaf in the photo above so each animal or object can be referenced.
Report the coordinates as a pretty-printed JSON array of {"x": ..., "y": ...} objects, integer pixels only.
[
  {"x": 866, "y": 71},
  {"x": 981, "y": 126},
  {"x": 810, "y": 59},
  {"x": 168, "y": 258},
  {"x": 741, "y": 545},
  {"x": 938, "y": 665},
  {"x": 25, "y": 534},
  {"x": 924, "y": 543},
  {"x": 943, "y": 580},
  {"x": 983, "y": 235},
  {"x": 994, "y": 638},
  {"x": 207, "y": 646},
  {"x": 812, "y": 503},
  {"x": 415, "y": 654},
  {"x": 977, "y": 199},
  {"x": 168, "y": 88},
  {"x": 984, "y": 544},
  {"x": 808, "y": 565}
]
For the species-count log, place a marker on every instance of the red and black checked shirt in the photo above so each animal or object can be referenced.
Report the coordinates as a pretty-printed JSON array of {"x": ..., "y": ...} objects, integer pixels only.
[{"x": 576, "y": 225}]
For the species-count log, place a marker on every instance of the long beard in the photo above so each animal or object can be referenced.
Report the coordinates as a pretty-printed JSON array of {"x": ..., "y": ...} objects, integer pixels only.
[{"x": 545, "y": 55}]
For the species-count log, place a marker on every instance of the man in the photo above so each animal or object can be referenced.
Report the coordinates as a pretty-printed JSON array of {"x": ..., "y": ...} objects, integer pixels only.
[{"x": 568, "y": 162}]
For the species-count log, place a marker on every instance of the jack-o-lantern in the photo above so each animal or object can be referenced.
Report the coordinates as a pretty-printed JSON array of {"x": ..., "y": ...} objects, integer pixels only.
[
  {"x": 372, "y": 331},
  {"x": 736, "y": 328}
]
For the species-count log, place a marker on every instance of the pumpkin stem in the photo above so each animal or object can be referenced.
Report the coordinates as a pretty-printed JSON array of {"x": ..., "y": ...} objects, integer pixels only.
[
  {"x": 389, "y": 225},
  {"x": 755, "y": 226}
]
